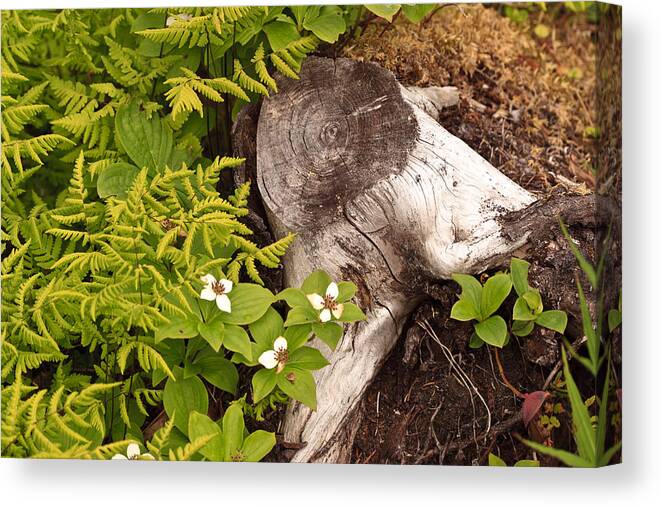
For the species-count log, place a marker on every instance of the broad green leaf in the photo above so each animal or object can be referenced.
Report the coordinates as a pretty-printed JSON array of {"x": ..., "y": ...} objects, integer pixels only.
[
  {"x": 293, "y": 297},
  {"x": 522, "y": 327},
  {"x": 218, "y": 371},
  {"x": 475, "y": 341},
  {"x": 492, "y": 331},
  {"x": 534, "y": 300},
  {"x": 519, "y": 273},
  {"x": 182, "y": 396},
  {"x": 602, "y": 420},
  {"x": 346, "y": 290},
  {"x": 463, "y": 310},
  {"x": 386, "y": 11},
  {"x": 521, "y": 310},
  {"x": 297, "y": 336},
  {"x": 249, "y": 303},
  {"x": 496, "y": 461},
  {"x": 471, "y": 290},
  {"x": 495, "y": 291},
  {"x": 527, "y": 463},
  {"x": 415, "y": 12},
  {"x": 177, "y": 327},
  {"x": 257, "y": 445},
  {"x": 328, "y": 26},
  {"x": 233, "y": 431},
  {"x": 584, "y": 433},
  {"x": 147, "y": 141},
  {"x": 213, "y": 332},
  {"x": 267, "y": 328},
  {"x": 606, "y": 457},
  {"x": 263, "y": 382},
  {"x": 328, "y": 332},
  {"x": 145, "y": 21},
  {"x": 237, "y": 340},
  {"x": 593, "y": 342},
  {"x": 298, "y": 384},
  {"x": 116, "y": 179},
  {"x": 307, "y": 358},
  {"x": 316, "y": 283},
  {"x": 553, "y": 319},
  {"x": 301, "y": 315},
  {"x": 351, "y": 313},
  {"x": 280, "y": 33},
  {"x": 614, "y": 319},
  {"x": 201, "y": 425}
]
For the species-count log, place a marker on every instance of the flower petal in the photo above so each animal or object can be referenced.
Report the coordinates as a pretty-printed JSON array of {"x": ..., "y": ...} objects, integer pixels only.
[
  {"x": 227, "y": 285},
  {"x": 332, "y": 290},
  {"x": 325, "y": 315},
  {"x": 208, "y": 279},
  {"x": 208, "y": 294},
  {"x": 316, "y": 301},
  {"x": 119, "y": 456},
  {"x": 223, "y": 303},
  {"x": 337, "y": 313},
  {"x": 280, "y": 343},
  {"x": 268, "y": 360},
  {"x": 132, "y": 451}
]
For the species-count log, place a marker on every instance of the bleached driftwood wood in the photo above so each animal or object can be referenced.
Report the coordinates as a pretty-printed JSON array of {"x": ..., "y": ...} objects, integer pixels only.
[{"x": 381, "y": 194}]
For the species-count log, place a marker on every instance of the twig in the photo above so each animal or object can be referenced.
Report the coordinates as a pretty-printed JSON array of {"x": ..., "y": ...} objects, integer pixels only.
[{"x": 514, "y": 390}]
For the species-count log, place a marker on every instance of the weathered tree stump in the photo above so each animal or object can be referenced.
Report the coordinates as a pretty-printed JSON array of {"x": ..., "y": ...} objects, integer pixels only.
[{"x": 381, "y": 194}]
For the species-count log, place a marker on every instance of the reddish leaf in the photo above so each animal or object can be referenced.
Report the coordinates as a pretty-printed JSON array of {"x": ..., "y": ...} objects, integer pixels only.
[{"x": 532, "y": 402}]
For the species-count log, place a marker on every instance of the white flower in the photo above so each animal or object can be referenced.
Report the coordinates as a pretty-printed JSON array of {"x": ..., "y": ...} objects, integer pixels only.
[
  {"x": 276, "y": 357},
  {"x": 133, "y": 453},
  {"x": 217, "y": 290},
  {"x": 177, "y": 18},
  {"x": 327, "y": 304}
]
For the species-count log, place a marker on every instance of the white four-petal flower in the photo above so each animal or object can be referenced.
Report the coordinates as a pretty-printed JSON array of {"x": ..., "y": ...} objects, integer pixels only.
[
  {"x": 133, "y": 453},
  {"x": 176, "y": 18},
  {"x": 276, "y": 357},
  {"x": 217, "y": 290},
  {"x": 327, "y": 304}
]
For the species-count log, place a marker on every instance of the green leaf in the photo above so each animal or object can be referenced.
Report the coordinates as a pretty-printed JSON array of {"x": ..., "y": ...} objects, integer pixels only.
[
  {"x": 116, "y": 179},
  {"x": 553, "y": 319},
  {"x": 534, "y": 300},
  {"x": 301, "y": 315},
  {"x": 297, "y": 336},
  {"x": 218, "y": 371},
  {"x": 346, "y": 290},
  {"x": 415, "y": 12},
  {"x": 233, "y": 431},
  {"x": 177, "y": 327},
  {"x": 237, "y": 340},
  {"x": 527, "y": 463},
  {"x": 566, "y": 457},
  {"x": 522, "y": 327},
  {"x": 212, "y": 331},
  {"x": 495, "y": 291},
  {"x": 249, "y": 303},
  {"x": 351, "y": 313},
  {"x": 328, "y": 26},
  {"x": 201, "y": 425},
  {"x": 316, "y": 283},
  {"x": 584, "y": 433},
  {"x": 293, "y": 297},
  {"x": 471, "y": 290},
  {"x": 519, "y": 273},
  {"x": 307, "y": 358},
  {"x": 299, "y": 386},
  {"x": 267, "y": 328},
  {"x": 614, "y": 319},
  {"x": 263, "y": 382},
  {"x": 496, "y": 461},
  {"x": 463, "y": 310},
  {"x": 475, "y": 341},
  {"x": 328, "y": 332},
  {"x": 587, "y": 268},
  {"x": 492, "y": 331},
  {"x": 281, "y": 33},
  {"x": 147, "y": 141},
  {"x": 521, "y": 310},
  {"x": 257, "y": 445},
  {"x": 386, "y": 11},
  {"x": 182, "y": 396}
]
